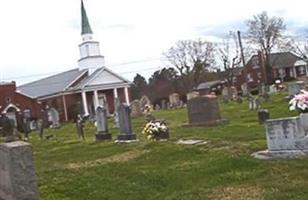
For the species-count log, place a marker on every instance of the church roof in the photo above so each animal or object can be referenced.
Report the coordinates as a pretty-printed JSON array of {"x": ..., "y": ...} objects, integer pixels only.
[
  {"x": 52, "y": 84},
  {"x": 85, "y": 25},
  {"x": 101, "y": 78}
]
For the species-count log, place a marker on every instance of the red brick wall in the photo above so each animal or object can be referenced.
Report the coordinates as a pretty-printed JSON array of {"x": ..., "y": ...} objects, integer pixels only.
[{"x": 9, "y": 95}]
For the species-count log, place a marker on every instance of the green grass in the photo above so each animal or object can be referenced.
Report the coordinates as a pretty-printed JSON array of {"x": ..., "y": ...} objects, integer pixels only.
[{"x": 69, "y": 169}]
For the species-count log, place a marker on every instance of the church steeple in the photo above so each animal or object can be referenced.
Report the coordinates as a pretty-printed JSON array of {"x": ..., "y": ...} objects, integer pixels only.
[
  {"x": 85, "y": 25},
  {"x": 90, "y": 56}
]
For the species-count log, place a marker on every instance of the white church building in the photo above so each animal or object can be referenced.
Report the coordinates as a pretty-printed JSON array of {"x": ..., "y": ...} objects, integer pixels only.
[{"x": 82, "y": 89}]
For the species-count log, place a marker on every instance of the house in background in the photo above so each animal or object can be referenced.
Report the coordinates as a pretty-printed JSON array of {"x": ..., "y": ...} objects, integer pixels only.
[
  {"x": 83, "y": 89},
  {"x": 209, "y": 87},
  {"x": 286, "y": 66}
]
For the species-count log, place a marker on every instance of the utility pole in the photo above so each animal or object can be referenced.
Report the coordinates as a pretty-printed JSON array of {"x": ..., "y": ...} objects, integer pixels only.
[
  {"x": 243, "y": 59},
  {"x": 241, "y": 48}
]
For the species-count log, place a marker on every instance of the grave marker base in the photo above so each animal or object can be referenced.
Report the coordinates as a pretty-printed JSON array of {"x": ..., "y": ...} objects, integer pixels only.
[
  {"x": 103, "y": 136},
  {"x": 280, "y": 154}
]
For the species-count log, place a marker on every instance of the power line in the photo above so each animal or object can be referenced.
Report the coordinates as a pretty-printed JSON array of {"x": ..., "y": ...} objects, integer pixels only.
[
  {"x": 56, "y": 72},
  {"x": 53, "y": 83}
]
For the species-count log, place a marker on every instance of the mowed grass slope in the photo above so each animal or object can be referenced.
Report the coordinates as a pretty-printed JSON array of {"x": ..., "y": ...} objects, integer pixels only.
[{"x": 69, "y": 169}]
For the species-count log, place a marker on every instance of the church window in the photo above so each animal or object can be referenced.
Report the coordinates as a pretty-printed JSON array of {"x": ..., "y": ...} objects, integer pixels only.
[{"x": 87, "y": 50}]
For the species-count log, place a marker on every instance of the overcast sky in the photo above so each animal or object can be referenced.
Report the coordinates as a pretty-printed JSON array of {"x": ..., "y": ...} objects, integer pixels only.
[{"x": 41, "y": 37}]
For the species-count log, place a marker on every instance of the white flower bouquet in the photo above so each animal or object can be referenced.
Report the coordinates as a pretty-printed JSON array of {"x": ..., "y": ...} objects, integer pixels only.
[
  {"x": 155, "y": 129},
  {"x": 299, "y": 102}
]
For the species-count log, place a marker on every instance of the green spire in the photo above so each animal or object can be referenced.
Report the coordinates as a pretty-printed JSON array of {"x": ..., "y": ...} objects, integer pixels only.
[{"x": 85, "y": 25}]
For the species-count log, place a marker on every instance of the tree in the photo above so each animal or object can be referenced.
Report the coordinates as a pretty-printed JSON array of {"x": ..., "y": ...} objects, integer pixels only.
[
  {"x": 191, "y": 58},
  {"x": 267, "y": 33},
  {"x": 230, "y": 56},
  {"x": 140, "y": 86},
  {"x": 162, "y": 83}
]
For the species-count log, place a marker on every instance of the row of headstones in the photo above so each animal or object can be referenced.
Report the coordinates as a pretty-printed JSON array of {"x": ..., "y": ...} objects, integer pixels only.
[
  {"x": 123, "y": 118},
  {"x": 144, "y": 105}
]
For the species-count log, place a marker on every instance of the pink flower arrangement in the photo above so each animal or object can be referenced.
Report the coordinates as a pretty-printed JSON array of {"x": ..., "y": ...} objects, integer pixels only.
[{"x": 299, "y": 102}]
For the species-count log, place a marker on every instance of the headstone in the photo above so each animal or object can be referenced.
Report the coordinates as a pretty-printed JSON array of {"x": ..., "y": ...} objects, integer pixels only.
[
  {"x": 263, "y": 115},
  {"x": 225, "y": 94},
  {"x": 192, "y": 95},
  {"x": 102, "y": 124},
  {"x": 254, "y": 103},
  {"x": 157, "y": 107},
  {"x": 149, "y": 117},
  {"x": 204, "y": 110},
  {"x": 7, "y": 126},
  {"x": 18, "y": 179},
  {"x": 295, "y": 87},
  {"x": 244, "y": 88},
  {"x": 282, "y": 133},
  {"x": 286, "y": 138},
  {"x": 164, "y": 104},
  {"x": 234, "y": 93},
  {"x": 251, "y": 103},
  {"x": 258, "y": 103},
  {"x": 239, "y": 100},
  {"x": 117, "y": 103},
  {"x": 125, "y": 124},
  {"x": 54, "y": 116},
  {"x": 145, "y": 104},
  {"x": 273, "y": 89},
  {"x": 40, "y": 127},
  {"x": 79, "y": 127},
  {"x": 174, "y": 100},
  {"x": 136, "y": 108}
]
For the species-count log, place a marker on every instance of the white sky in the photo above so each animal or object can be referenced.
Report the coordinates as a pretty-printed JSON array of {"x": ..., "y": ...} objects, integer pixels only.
[{"x": 41, "y": 37}]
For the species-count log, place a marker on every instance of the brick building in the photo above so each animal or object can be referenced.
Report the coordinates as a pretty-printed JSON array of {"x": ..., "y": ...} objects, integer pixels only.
[
  {"x": 286, "y": 66},
  {"x": 13, "y": 103}
]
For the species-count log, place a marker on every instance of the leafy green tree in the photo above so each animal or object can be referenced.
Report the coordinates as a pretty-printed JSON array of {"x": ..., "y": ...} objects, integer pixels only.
[{"x": 140, "y": 87}]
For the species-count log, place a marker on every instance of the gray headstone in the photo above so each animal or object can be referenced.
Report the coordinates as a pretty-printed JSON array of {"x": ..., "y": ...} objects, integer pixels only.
[
  {"x": 283, "y": 133},
  {"x": 203, "y": 111},
  {"x": 164, "y": 104},
  {"x": 244, "y": 88},
  {"x": 295, "y": 87},
  {"x": 125, "y": 124},
  {"x": 54, "y": 114},
  {"x": 157, "y": 107},
  {"x": 18, "y": 180},
  {"x": 174, "y": 100},
  {"x": 136, "y": 108},
  {"x": 102, "y": 124},
  {"x": 117, "y": 103}
]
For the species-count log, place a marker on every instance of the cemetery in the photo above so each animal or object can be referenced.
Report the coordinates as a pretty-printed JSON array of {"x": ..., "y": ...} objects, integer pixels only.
[
  {"x": 209, "y": 123},
  {"x": 193, "y": 162}
]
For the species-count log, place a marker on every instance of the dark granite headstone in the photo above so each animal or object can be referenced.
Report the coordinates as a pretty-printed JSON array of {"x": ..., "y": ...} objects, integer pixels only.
[
  {"x": 102, "y": 124},
  {"x": 263, "y": 115},
  {"x": 204, "y": 111},
  {"x": 125, "y": 124}
]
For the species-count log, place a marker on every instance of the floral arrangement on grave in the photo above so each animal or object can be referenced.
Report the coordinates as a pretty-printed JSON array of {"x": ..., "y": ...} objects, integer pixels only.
[
  {"x": 299, "y": 102},
  {"x": 153, "y": 130}
]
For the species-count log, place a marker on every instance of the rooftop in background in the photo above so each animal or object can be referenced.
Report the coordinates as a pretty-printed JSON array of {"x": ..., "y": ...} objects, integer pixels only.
[
  {"x": 7, "y": 83},
  {"x": 278, "y": 60},
  {"x": 52, "y": 84}
]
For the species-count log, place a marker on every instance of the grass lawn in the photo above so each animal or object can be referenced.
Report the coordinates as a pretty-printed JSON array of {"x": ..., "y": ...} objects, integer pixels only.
[{"x": 69, "y": 169}]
